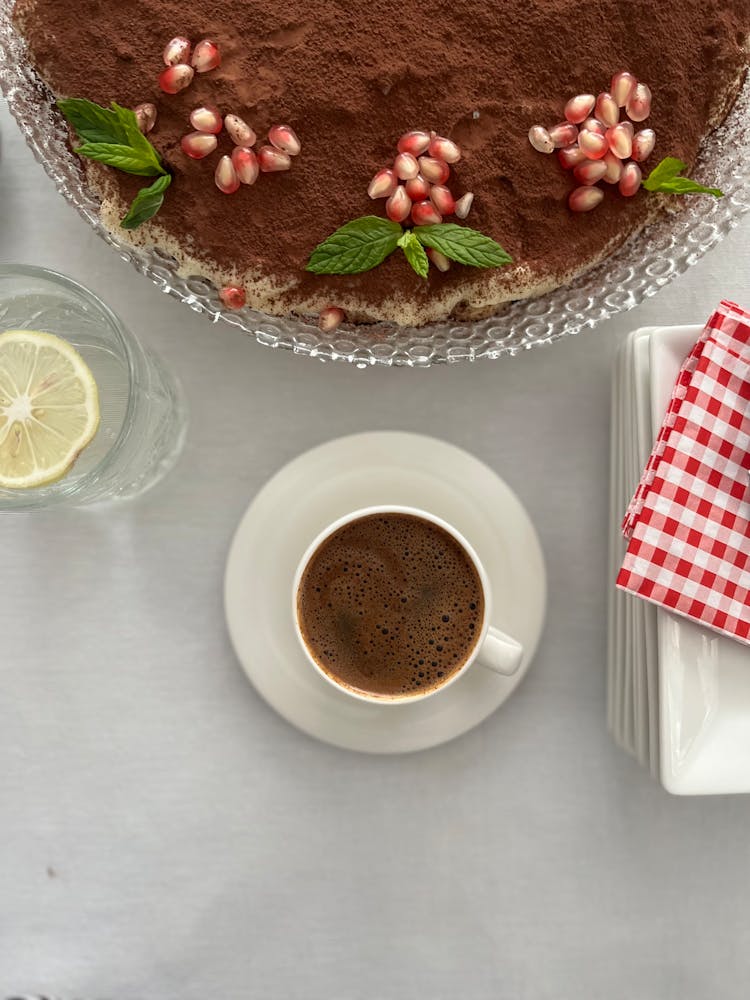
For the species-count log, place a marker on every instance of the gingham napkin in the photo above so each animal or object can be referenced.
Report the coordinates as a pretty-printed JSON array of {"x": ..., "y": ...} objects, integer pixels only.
[{"x": 689, "y": 521}]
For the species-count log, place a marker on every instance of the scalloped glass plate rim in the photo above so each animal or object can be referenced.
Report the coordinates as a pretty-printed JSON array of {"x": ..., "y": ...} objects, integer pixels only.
[{"x": 637, "y": 270}]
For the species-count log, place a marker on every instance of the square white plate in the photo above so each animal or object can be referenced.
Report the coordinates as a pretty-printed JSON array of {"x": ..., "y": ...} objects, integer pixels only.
[
  {"x": 644, "y": 614},
  {"x": 704, "y": 678},
  {"x": 620, "y": 654}
]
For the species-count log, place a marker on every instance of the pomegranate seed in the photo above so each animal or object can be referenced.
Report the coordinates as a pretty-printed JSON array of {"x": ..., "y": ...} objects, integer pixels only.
[
  {"x": 463, "y": 205},
  {"x": 398, "y": 206},
  {"x": 226, "y": 177},
  {"x": 418, "y": 188},
  {"x": 442, "y": 199},
  {"x": 620, "y": 140},
  {"x": 405, "y": 166},
  {"x": 206, "y": 118},
  {"x": 630, "y": 180},
  {"x": 424, "y": 213},
  {"x": 590, "y": 171},
  {"x": 583, "y": 199},
  {"x": 145, "y": 115},
  {"x": 594, "y": 125},
  {"x": 239, "y": 131},
  {"x": 271, "y": 159},
  {"x": 246, "y": 164},
  {"x": 434, "y": 171},
  {"x": 563, "y": 134},
  {"x": 176, "y": 51},
  {"x": 232, "y": 296},
  {"x": 175, "y": 78},
  {"x": 197, "y": 145},
  {"x": 383, "y": 184},
  {"x": 206, "y": 56},
  {"x": 444, "y": 149},
  {"x": 284, "y": 137},
  {"x": 643, "y": 144},
  {"x": 540, "y": 139},
  {"x": 639, "y": 103},
  {"x": 330, "y": 318},
  {"x": 415, "y": 143},
  {"x": 440, "y": 261},
  {"x": 607, "y": 110},
  {"x": 593, "y": 145},
  {"x": 614, "y": 168},
  {"x": 622, "y": 86},
  {"x": 579, "y": 107},
  {"x": 570, "y": 156}
]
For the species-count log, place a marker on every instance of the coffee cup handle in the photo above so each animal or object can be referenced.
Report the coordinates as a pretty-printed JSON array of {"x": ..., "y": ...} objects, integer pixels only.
[{"x": 500, "y": 653}]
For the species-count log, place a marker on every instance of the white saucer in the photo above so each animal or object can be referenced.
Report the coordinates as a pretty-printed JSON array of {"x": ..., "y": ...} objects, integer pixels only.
[{"x": 311, "y": 492}]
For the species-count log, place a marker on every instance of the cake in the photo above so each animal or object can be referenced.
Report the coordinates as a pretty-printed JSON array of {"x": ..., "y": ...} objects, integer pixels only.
[{"x": 350, "y": 79}]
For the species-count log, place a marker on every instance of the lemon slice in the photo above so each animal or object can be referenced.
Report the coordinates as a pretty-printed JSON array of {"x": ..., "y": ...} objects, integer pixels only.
[{"x": 49, "y": 408}]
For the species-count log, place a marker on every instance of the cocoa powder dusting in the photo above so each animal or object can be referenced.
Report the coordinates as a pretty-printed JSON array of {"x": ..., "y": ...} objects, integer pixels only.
[{"x": 351, "y": 78}]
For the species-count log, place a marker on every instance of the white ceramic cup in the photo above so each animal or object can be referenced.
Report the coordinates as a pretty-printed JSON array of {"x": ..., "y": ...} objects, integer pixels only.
[{"x": 493, "y": 650}]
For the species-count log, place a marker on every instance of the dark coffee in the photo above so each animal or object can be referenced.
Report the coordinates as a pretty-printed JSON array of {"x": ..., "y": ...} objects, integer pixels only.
[{"x": 390, "y": 604}]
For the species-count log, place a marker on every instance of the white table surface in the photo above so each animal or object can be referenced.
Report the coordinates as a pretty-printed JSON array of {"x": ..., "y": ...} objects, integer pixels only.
[{"x": 165, "y": 835}]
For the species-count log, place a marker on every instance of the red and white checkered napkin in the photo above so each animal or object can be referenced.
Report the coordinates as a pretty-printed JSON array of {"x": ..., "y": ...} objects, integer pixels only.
[{"x": 689, "y": 521}]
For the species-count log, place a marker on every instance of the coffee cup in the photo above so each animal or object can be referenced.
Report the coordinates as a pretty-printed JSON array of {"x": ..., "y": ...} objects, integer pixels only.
[{"x": 410, "y": 607}]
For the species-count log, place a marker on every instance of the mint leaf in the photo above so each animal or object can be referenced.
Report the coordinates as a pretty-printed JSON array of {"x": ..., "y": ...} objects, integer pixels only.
[
  {"x": 355, "y": 247},
  {"x": 92, "y": 122},
  {"x": 464, "y": 245},
  {"x": 665, "y": 177},
  {"x": 136, "y": 138},
  {"x": 669, "y": 168},
  {"x": 111, "y": 136},
  {"x": 146, "y": 203},
  {"x": 121, "y": 157},
  {"x": 414, "y": 253},
  {"x": 683, "y": 185}
]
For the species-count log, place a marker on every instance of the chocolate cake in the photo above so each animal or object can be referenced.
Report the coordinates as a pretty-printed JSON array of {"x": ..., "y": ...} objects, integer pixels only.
[{"x": 350, "y": 79}]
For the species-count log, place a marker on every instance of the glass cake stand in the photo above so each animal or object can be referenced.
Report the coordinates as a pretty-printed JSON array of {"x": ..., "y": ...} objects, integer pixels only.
[{"x": 637, "y": 270}]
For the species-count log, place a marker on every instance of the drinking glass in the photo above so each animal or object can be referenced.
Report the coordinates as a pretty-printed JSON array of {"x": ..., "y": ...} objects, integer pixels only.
[{"x": 143, "y": 414}]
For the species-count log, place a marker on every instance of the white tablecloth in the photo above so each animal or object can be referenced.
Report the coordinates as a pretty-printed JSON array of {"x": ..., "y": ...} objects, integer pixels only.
[{"x": 163, "y": 834}]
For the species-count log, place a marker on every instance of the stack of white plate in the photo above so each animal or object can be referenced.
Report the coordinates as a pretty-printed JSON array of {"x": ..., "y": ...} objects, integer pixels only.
[{"x": 678, "y": 695}]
